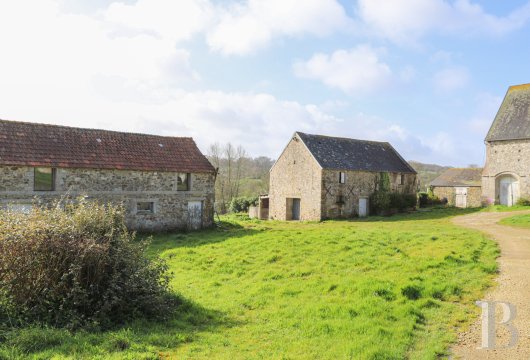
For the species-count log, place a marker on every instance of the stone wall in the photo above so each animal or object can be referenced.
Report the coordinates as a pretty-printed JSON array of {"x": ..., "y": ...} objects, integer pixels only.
[
  {"x": 296, "y": 174},
  {"x": 474, "y": 195},
  {"x": 118, "y": 187},
  {"x": 506, "y": 158},
  {"x": 358, "y": 184}
]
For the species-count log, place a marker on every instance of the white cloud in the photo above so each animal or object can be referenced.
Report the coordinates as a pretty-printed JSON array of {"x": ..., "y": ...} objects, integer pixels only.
[
  {"x": 245, "y": 27},
  {"x": 451, "y": 79},
  {"x": 406, "y": 21},
  {"x": 169, "y": 19},
  {"x": 354, "y": 71}
]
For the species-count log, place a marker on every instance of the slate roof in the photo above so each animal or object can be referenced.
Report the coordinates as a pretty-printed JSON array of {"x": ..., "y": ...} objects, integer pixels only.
[
  {"x": 513, "y": 119},
  {"x": 350, "y": 154},
  {"x": 30, "y": 144},
  {"x": 459, "y": 177}
]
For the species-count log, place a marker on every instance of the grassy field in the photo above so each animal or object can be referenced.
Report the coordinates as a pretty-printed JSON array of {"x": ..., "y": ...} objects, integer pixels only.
[
  {"x": 383, "y": 288},
  {"x": 518, "y": 220}
]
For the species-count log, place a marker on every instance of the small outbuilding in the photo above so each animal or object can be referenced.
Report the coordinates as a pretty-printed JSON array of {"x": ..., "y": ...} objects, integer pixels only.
[
  {"x": 460, "y": 187},
  {"x": 322, "y": 177}
]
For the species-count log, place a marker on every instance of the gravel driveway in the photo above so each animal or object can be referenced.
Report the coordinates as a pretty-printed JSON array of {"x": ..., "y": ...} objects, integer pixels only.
[{"x": 513, "y": 286}]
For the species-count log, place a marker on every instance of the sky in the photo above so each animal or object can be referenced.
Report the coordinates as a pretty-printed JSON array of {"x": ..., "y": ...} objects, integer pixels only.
[{"x": 426, "y": 75}]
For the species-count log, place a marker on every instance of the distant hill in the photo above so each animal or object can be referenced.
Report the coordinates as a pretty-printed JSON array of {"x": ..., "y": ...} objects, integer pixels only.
[{"x": 427, "y": 172}]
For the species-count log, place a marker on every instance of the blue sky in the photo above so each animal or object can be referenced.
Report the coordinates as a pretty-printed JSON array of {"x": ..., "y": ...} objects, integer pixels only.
[{"x": 426, "y": 75}]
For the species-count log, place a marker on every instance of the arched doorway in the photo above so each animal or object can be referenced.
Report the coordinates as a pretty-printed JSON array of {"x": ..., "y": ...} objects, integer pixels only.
[{"x": 508, "y": 187}]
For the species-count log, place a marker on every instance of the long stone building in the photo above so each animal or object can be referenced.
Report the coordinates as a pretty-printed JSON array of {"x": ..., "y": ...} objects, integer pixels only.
[
  {"x": 164, "y": 183},
  {"x": 319, "y": 177},
  {"x": 506, "y": 175}
]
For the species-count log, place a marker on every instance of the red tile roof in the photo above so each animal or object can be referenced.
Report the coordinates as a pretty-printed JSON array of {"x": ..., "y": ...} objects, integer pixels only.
[{"x": 30, "y": 144}]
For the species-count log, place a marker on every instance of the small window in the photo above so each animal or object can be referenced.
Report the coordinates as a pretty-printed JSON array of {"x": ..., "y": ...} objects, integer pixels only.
[
  {"x": 44, "y": 179},
  {"x": 342, "y": 178},
  {"x": 401, "y": 179},
  {"x": 183, "y": 182},
  {"x": 145, "y": 207}
]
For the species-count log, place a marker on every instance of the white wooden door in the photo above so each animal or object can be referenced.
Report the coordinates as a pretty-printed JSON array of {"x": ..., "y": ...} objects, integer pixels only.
[
  {"x": 461, "y": 197},
  {"x": 363, "y": 207},
  {"x": 194, "y": 215},
  {"x": 509, "y": 191}
]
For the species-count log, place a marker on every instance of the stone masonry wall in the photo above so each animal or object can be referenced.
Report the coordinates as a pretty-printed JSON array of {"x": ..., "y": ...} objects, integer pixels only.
[
  {"x": 506, "y": 158},
  {"x": 118, "y": 187},
  {"x": 358, "y": 184},
  {"x": 474, "y": 195},
  {"x": 296, "y": 174}
]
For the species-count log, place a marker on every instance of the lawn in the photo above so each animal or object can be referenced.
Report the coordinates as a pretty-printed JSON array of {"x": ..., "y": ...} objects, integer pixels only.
[
  {"x": 383, "y": 288},
  {"x": 518, "y": 221}
]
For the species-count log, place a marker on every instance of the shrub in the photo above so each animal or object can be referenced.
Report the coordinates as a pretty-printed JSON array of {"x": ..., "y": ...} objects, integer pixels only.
[
  {"x": 76, "y": 267},
  {"x": 241, "y": 204},
  {"x": 410, "y": 200},
  {"x": 382, "y": 202},
  {"x": 429, "y": 199},
  {"x": 379, "y": 202},
  {"x": 523, "y": 202}
]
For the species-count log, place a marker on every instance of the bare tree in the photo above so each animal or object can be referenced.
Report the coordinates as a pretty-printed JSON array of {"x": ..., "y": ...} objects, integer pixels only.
[
  {"x": 215, "y": 155},
  {"x": 234, "y": 165}
]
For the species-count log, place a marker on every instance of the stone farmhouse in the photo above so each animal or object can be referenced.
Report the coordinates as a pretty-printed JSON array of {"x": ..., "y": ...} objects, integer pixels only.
[
  {"x": 164, "y": 183},
  {"x": 319, "y": 177},
  {"x": 506, "y": 175},
  {"x": 459, "y": 187}
]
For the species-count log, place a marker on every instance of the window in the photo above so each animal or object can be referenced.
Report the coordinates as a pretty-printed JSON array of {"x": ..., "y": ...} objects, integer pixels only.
[
  {"x": 44, "y": 179},
  {"x": 400, "y": 179},
  {"x": 342, "y": 178},
  {"x": 183, "y": 182},
  {"x": 145, "y": 207}
]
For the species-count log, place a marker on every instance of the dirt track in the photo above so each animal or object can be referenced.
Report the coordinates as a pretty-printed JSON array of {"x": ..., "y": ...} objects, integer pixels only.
[{"x": 513, "y": 287}]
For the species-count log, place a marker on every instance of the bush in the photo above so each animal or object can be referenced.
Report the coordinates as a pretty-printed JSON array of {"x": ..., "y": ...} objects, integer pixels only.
[
  {"x": 429, "y": 199},
  {"x": 382, "y": 202},
  {"x": 523, "y": 202},
  {"x": 379, "y": 202},
  {"x": 77, "y": 267},
  {"x": 410, "y": 200},
  {"x": 241, "y": 204}
]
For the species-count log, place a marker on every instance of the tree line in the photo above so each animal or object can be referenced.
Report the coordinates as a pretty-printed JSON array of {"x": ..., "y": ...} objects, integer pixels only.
[{"x": 238, "y": 174}]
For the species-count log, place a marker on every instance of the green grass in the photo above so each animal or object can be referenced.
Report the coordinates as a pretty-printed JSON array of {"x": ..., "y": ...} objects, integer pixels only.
[
  {"x": 504, "y": 208},
  {"x": 382, "y": 288},
  {"x": 522, "y": 221}
]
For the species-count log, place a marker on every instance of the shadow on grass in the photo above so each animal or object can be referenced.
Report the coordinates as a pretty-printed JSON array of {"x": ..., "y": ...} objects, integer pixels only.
[
  {"x": 428, "y": 214},
  {"x": 146, "y": 339},
  {"x": 419, "y": 215},
  {"x": 223, "y": 231}
]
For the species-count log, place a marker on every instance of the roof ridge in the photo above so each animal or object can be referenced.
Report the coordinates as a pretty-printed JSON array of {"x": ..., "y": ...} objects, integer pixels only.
[
  {"x": 465, "y": 168},
  {"x": 519, "y": 87},
  {"x": 343, "y": 138},
  {"x": 93, "y": 129}
]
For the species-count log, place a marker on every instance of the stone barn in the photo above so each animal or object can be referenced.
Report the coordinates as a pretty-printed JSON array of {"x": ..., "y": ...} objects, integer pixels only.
[
  {"x": 320, "y": 177},
  {"x": 164, "y": 183},
  {"x": 506, "y": 175},
  {"x": 459, "y": 187}
]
